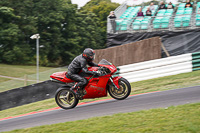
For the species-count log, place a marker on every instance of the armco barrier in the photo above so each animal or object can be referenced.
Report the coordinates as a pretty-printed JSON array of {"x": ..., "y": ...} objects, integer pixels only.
[
  {"x": 160, "y": 67},
  {"x": 158, "y": 70},
  {"x": 196, "y": 61},
  {"x": 155, "y": 63},
  {"x": 28, "y": 94}
]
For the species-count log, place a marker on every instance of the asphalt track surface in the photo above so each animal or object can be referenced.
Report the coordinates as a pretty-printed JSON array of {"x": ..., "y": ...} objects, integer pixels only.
[{"x": 133, "y": 103}]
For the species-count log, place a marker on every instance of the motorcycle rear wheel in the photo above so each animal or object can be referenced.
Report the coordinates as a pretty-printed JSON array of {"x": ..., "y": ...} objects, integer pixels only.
[
  {"x": 123, "y": 91},
  {"x": 65, "y": 98}
]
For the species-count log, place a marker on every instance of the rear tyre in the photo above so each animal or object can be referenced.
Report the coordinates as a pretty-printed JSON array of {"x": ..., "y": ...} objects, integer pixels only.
[
  {"x": 65, "y": 98},
  {"x": 123, "y": 91}
]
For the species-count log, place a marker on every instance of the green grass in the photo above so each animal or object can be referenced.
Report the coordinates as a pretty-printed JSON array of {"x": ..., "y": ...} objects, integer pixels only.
[
  {"x": 18, "y": 71},
  {"x": 168, "y": 82},
  {"x": 159, "y": 84},
  {"x": 180, "y": 119}
]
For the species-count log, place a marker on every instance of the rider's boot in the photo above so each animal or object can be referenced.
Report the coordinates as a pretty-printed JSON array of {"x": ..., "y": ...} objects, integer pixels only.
[
  {"x": 77, "y": 90},
  {"x": 73, "y": 87}
]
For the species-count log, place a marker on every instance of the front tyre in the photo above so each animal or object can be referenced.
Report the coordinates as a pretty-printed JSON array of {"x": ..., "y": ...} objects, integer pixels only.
[
  {"x": 65, "y": 98},
  {"x": 123, "y": 91}
]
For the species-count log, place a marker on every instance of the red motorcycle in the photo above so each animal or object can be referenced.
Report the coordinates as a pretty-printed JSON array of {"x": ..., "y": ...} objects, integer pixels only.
[{"x": 98, "y": 86}]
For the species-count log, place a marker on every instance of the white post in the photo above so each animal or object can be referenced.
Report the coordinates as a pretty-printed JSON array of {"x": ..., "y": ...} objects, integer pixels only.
[
  {"x": 37, "y": 36},
  {"x": 37, "y": 54}
]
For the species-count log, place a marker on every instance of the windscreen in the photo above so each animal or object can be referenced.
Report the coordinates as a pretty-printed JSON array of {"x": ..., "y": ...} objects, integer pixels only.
[{"x": 104, "y": 62}]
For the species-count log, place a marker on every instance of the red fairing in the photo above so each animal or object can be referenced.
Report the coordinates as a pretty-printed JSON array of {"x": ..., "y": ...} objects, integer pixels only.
[
  {"x": 97, "y": 87},
  {"x": 61, "y": 76},
  {"x": 92, "y": 68}
]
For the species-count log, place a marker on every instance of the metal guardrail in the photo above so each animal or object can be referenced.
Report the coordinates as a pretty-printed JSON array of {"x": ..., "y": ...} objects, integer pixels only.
[{"x": 160, "y": 67}]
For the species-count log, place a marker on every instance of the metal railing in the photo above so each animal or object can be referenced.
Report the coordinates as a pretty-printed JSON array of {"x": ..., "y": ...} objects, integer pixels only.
[
  {"x": 171, "y": 27},
  {"x": 118, "y": 12}
]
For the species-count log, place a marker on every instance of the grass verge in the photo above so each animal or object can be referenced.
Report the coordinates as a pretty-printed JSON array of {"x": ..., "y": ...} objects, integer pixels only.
[
  {"x": 18, "y": 70},
  {"x": 27, "y": 74},
  {"x": 180, "y": 119},
  {"x": 158, "y": 84}
]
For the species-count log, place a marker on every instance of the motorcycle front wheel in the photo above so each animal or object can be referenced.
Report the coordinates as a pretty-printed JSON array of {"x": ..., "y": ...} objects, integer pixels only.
[
  {"x": 65, "y": 98},
  {"x": 122, "y": 92}
]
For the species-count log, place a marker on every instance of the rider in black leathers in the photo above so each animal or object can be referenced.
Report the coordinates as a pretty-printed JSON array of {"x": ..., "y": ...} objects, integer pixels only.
[{"x": 80, "y": 63}]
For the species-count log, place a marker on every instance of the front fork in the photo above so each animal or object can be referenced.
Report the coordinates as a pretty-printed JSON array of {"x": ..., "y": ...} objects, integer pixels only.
[{"x": 115, "y": 82}]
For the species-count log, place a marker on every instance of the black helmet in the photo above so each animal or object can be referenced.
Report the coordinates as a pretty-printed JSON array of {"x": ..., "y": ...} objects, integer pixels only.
[{"x": 89, "y": 54}]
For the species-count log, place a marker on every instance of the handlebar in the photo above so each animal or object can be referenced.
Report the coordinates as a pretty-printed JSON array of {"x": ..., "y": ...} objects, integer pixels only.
[{"x": 103, "y": 70}]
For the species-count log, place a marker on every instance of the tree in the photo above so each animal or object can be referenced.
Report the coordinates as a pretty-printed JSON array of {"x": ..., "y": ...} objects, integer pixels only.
[
  {"x": 156, "y": 2},
  {"x": 53, "y": 20},
  {"x": 102, "y": 11},
  {"x": 65, "y": 31},
  {"x": 101, "y": 8},
  {"x": 84, "y": 34},
  {"x": 10, "y": 50},
  {"x": 92, "y": 3},
  {"x": 46, "y": 17}
]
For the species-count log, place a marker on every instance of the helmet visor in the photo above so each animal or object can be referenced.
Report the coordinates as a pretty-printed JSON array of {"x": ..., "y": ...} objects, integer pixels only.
[{"x": 92, "y": 57}]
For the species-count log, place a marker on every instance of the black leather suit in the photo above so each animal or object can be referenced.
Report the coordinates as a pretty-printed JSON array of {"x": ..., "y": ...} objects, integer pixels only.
[{"x": 78, "y": 64}]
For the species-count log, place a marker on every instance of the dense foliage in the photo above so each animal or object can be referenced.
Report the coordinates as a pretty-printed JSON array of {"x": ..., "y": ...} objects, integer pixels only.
[
  {"x": 65, "y": 31},
  {"x": 156, "y": 2},
  {"x": 102, "y": 9}
]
